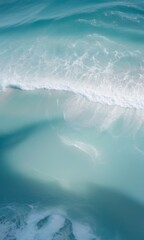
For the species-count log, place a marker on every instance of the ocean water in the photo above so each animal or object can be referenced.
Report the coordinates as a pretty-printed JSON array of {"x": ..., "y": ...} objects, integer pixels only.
[{"x": 71, "y": 120}]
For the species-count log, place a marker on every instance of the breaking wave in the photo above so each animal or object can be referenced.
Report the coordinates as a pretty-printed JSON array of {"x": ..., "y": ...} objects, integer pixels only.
[
  {"x": 33, "y": 224},
  {"x": 91, "y": 49}
]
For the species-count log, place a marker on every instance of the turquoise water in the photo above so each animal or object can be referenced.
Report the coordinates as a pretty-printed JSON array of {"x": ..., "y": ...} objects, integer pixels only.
[{"x": 71, "y": 120}]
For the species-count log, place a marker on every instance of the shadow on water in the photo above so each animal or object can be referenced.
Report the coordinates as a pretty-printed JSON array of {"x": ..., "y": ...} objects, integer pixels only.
[
  {"x": 120, "y": 213},
  {"x": 10, "y": 140},
  {"x": 105, "y": 209},
  {"x": 10, "y": 182}
]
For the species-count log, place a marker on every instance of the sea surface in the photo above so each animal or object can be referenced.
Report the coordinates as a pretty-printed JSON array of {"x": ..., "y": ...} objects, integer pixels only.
[{"x": 71, "y": 120}]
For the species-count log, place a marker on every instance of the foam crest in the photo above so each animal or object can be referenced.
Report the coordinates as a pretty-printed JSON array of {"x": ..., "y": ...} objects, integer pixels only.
[
  {"x": 96, "y": 67},
  {"x": 34, "y": 224},
  {"x": 107, "y": 95}
]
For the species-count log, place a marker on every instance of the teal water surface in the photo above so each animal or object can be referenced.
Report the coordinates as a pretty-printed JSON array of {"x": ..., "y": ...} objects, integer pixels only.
[{"x": 71, "y": 120}]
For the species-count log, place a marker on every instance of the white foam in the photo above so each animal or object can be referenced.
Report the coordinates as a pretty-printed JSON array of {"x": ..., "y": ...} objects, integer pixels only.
[
  {"x": 29, "y": 232},
  {"x": 103, "y": 95},
  {"x": 94, "y": 67},
  {"x": 30, "y": 227},
  {"x": 83, "y": 232}
]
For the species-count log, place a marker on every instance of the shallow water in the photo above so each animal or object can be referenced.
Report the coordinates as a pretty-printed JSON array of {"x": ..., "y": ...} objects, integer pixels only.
[{"x": 75, "y": 173}]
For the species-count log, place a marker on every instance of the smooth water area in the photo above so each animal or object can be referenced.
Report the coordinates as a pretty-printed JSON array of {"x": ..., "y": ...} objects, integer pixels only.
[
  {"x": 63, "y": 177},
  {"x": 71, "y": 120}
]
